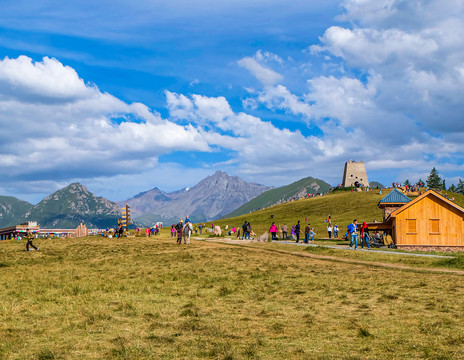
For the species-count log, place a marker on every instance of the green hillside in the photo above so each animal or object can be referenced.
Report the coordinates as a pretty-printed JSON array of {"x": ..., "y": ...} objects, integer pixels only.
[
  {"x": 11, "y": 210},
  {"x": 301, "y": 187},
  {"x": 342, "y": 206},
  {"x": 68, "y": 207}
]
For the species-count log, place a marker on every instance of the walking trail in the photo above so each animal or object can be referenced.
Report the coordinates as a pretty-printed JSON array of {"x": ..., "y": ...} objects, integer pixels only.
[{"x": 247, "y": 245}]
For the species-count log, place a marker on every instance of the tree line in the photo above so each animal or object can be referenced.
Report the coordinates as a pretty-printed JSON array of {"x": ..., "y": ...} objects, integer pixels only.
[{"x": 434, "y": 181}]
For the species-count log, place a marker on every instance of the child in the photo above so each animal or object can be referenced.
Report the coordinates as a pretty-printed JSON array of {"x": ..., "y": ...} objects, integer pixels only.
[{"x": 312, "y": 234}]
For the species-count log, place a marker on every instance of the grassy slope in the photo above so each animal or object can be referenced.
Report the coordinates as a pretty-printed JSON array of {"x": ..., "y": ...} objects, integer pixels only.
[
  {"x": 98, "y": 298},
  {"x": 343, "y": 208},
  {"x": 458, "y": 198},
  {"x": 284, "y": 192}
]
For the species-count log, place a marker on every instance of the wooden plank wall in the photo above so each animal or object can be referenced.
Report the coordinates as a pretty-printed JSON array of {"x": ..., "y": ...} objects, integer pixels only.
[{"x": 426, "y": 212}]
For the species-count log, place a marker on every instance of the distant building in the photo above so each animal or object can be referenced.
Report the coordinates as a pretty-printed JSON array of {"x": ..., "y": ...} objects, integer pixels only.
[
  {"x": 10, "y": 232},
  {"x": 355, "y": 174}
]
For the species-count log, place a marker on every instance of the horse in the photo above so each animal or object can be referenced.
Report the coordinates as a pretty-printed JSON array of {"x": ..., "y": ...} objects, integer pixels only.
[{"x": 186, "y": 232}]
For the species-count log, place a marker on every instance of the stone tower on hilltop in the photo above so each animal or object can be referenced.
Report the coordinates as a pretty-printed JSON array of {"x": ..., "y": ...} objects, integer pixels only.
[{"x": 355, "y": 171}]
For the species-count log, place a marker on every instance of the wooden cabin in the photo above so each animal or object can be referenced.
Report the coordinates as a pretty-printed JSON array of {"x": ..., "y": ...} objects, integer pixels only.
[{"x": 429, "y": 222}]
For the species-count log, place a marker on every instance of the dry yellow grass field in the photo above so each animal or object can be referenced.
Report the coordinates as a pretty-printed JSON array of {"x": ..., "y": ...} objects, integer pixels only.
[{"x": 148, "y": 298}]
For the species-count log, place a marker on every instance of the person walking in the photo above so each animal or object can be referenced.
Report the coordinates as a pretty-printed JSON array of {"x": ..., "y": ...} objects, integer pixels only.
[
  {"x": 248, "y": 231},
  {"x": 297, "y": 231},
  {"x": 307, "y": 231},
  {"x": 335, "y": 231},
  {"x": 329, "y": 230},
  {"x": 284, "y": 232},
  {"x": 273, "y": 231},
  {"x": 244, "y": 230},
  {"x": 364, "y": 236},
  {"x": 179, "y": 228},
  {"x": 29, "y": 238},
  {"x": 353, "y": 230},
  {"x": 293, "y": 233}
]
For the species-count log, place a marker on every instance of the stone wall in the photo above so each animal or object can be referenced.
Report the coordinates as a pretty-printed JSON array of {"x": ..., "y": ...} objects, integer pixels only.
[
  {"x": 388, "y": 210},
  {"x": 354, "y": 171},
  {"x": 431, "y": 248}
]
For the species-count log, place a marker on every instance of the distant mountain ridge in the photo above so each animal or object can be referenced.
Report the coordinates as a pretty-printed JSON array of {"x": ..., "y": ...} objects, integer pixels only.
[
  {"x": 300, "y": 188},
  {"x": 212, "y": 197}
]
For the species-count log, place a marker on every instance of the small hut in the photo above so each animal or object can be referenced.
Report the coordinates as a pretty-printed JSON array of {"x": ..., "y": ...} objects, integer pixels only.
[{"x": 429, "y": 222}]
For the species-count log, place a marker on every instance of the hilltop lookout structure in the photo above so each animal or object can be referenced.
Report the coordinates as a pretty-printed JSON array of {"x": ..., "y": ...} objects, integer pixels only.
[{"x": 355, "y": 174}]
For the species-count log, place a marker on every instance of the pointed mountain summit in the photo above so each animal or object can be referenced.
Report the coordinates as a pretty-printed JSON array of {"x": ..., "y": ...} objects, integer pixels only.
[
  {"x": 68, "y": 207},
  {"x": 212, "y": 197}
]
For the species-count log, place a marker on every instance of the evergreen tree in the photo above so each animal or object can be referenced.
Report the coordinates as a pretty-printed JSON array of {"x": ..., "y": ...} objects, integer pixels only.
[
  {"x": 452, "y": 188},
  {"x": 434, "y": 180},
  {"x": 443, "y": 185},
  {"x": 407, "y": 183},
  {"x": 460, "y": 187}
]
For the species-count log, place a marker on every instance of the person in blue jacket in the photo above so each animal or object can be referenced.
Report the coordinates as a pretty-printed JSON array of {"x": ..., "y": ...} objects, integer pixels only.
[{"x": 353, "y": 230}]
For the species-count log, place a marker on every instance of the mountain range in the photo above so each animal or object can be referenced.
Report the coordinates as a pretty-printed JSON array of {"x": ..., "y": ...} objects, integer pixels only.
[
  {"x": 212, "y": 197},
  {"x": 215, "y": 196}
]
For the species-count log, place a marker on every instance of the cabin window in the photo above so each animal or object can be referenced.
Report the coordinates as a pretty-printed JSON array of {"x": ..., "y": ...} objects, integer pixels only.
[
  {"x": 411, "y": 226},
  {"x": 434, "y": 226}
]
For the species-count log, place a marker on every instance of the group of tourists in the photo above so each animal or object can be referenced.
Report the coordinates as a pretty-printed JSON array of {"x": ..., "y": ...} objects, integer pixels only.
[
  {"x": 149, "y": 231},
  {"x": 353, "y": 232},
  {"x": 409, "y": 188}
]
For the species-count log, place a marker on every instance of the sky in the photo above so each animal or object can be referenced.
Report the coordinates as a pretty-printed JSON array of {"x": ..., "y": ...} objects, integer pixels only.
[{"x": 126, "y": 96}]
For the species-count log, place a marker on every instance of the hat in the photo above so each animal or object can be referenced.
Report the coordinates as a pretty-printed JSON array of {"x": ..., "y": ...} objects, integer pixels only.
[{"x": 182, "y": 221}]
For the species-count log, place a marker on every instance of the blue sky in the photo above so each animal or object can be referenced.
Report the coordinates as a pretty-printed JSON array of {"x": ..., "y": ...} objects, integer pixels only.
[{"x": 125, "y": 96}]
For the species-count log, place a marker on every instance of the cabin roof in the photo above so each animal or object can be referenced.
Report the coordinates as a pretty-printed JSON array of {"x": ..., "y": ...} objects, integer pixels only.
[
  {"x": 394, "y": 197},
  {"x": 428, "y": 193}
]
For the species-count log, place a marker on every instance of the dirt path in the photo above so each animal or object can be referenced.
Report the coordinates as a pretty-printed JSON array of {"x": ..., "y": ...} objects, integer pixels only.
[{"x": 229, "y": 243}]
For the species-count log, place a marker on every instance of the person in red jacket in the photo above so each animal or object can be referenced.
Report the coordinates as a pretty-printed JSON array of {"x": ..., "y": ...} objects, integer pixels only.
[{"x": 364, "y": 236}]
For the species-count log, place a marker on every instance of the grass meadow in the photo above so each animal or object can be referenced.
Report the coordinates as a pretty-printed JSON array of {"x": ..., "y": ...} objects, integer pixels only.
[{"x": 148, "y": 298}]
